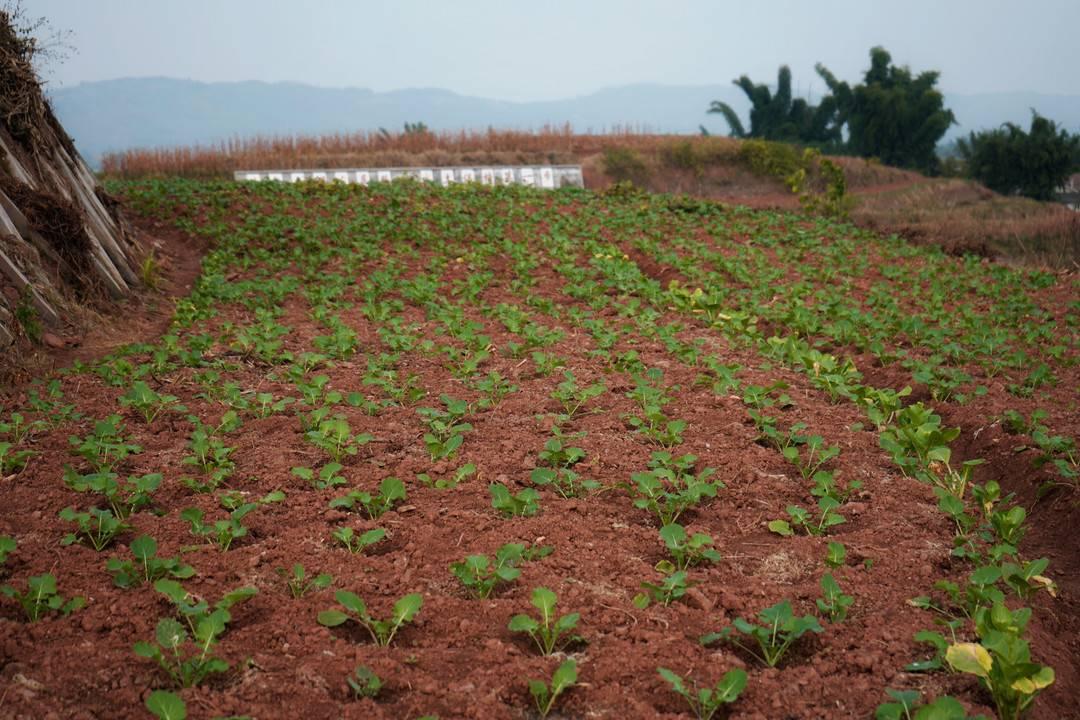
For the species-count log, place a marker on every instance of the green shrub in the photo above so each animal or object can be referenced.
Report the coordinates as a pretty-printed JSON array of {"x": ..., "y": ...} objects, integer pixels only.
[{"x": 625, "y": 165}]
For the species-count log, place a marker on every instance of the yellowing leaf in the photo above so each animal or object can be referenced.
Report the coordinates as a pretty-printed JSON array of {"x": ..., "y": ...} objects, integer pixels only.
[
  {"x": 970, "y": 658},
  {"x": 1031, "y": 685},
  {"x": 1049, "y": 585}
]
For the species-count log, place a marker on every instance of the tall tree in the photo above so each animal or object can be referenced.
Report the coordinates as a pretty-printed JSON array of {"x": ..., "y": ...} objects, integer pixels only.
[
  {"x": 778, "y": 116},
  {"x": 892, "y": 115},
  {"x": 1011, "y": 161}
]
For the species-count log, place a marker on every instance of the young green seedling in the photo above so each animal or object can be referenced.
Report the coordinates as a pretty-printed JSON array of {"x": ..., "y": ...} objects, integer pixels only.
[
  {"x": 833, "y": 603},
  {"x": 328, "y": 476},
  {"x": 779, "y": 630},
  {"x": 555, "y": 469},
  {"x": 381, "y": 631},
  {"x": 299, "y": 584},
  {"x": 194, "y": 609},
  {"x": 147, "y": 566},
  {"x": 42, "y": 597},
  {"x": 673, "y": 587},
  {"x": 835, "y": 554},
  {"x": 706, "y": 702},
  {"x": 125, "y": 497},
  {"x": 572, "y": 397},
  {"x": 186, "y": 669},
  {"x": 391, "y": 492},
  {"x": 906, "y": 707},
  {"x": 544, "y": 694},
  {"x": 355, "y": 542},
  {"x": 364, "y": 683},
  {"x": 149, "y": 403},
  {"x": 799, "y": 518},
  {"x": 549, "y": 632},
  {"x": 12, "y": 460},
  {"x": 461, "y": 474},
  {"x": 525, "y": 504},
  {"x": 687, "y": 550},
  {"x": 223, "y": 533},
  {"x": 18, "y": 428},
  {"x": 7, "y": 546},
  {"x": 334, "y": 436},
  {"x": 96, "y": 527},
  {"x": 105, "y": 448},
  {"x": 480, "y": 575}
]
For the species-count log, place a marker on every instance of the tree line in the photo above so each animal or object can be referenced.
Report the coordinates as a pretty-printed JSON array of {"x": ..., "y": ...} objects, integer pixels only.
[{"x": 899, "y": 117}]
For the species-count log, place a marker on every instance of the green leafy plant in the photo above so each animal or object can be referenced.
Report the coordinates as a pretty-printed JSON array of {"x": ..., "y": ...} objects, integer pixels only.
[
  {"x": 224, "y": 532},
  {"x": 706, "y": 702},
  {"x": 381, "y": 631},
  {"x": 334, "y": 436},
  {"x": 779, "y": 630},
  {"x": 125, "y": 497},
  {"x": 356, "y": 542},
  {"x": 525, "y": 504},
  {"x": 836, "y": 554},
  {"x": 7, "y": 546},
  {"x": 800, "y": 519},
  {"x": 481, "y": 575},
  {"x": 549, "y": 631},
  {"x": 105, "y": 448},
  {"x": 446, "y": 431},
  {"x": 1002, "y": 662},
  {"x": 149, "y": 403},
  {"x": 364, "y": 683},
  {"x": 147, "y": 566},
  {"x": 573, "y": 397},
  {"x": 444, "y": 483},
  {"x": 545, "y": 694},
  {"x": 687, "y": 550},
  {"x": 556, "y": 469},
  {"x": 391, "y": 492},
  {"x": 905, "y": 707},
  {"x": 186, "y": 669},
  {"x": 41, "y": 597},
  {"x": 671, "y": 486},
  {"x": 833, "y": 603},
  {"x": 300, "y": 584},
  {"x": 97, "y": 527},
  {"x": 12, "y": 460},
  {"x": 671, "y": 588},
  {"x": 165, "y": 705},
  {"x": 327, "y": 477}
]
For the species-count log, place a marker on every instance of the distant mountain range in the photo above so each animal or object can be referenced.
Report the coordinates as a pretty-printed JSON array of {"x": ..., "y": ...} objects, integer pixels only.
[{"x": 161, "y": 112}]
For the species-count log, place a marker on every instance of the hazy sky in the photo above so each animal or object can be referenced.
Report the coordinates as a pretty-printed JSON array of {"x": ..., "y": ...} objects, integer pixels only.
[{"x": 547, "y": 49}]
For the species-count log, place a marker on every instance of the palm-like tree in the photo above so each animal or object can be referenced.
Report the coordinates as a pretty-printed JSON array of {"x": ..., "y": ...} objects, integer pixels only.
[{"x": 777, "y": 116}]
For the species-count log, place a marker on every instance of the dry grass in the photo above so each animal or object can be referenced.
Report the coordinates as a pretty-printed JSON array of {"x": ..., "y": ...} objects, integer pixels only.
[
  {"x": 370, "y": 149},
  {"x": 963, "y": 216}
]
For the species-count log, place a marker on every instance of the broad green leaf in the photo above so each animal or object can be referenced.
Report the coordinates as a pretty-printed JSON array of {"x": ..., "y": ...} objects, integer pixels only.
[
  {"x": 544, "y": 600},
  {"x": 144, "y": 547},
  {"x": 565, "y": 676},
  {"x": 730, "y": 686},
  {"x": 781, "y": 527},
  {"x": 523, "y": 623},
  {"x": 166, "y": 706},
  {"x": 170, "y": 633},
  {"x": 406, "y": 608},
  {"x": 332, "y": 618},
  {"x": 351, "y": 602}
]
